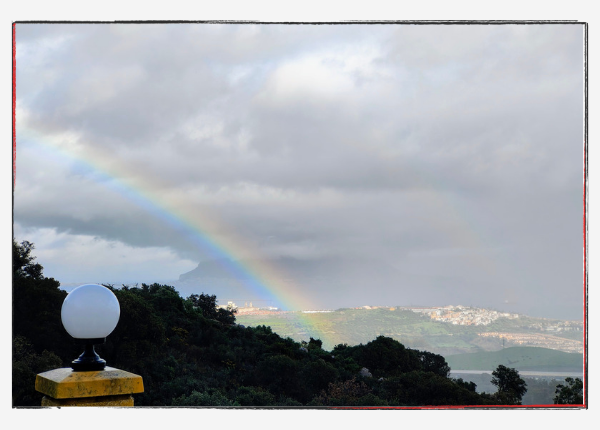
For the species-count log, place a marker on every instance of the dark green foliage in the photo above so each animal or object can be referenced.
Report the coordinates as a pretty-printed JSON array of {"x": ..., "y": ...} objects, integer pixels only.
[
  {"x": 511, "y": 387},
  {"x": 469, "y": 385},
  {"x": 383, "y": 356},
  {"x": 288, "y": 402},
  {"x": 435, "y": 363},
  {"x": 569, "y": 394},
  {"x": 27, "y": 364},
  {"x": 40, "y": 342},
  {"x": 37, "y": 328},
  {"x": 207, "y": 304},
  {"x": 317, "y": 375},
  {"x": 215, "y": 398},
  {"x": 37, "y": 302},
  {"x": 192, "y": 353},
  {"x": 23, "y": 262},
  {"x": 386, "y": 356},
  {"x": 140, "y": 333},
  {"x": 280, "y": 375},
  {"x": 418, "y": 388},
  {"x": 254, "y": 396},
  {"x": 315, "y": 343}
]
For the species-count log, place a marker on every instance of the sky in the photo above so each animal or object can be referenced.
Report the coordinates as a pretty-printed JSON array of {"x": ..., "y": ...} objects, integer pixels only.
[{"x": 310, "y": 166}]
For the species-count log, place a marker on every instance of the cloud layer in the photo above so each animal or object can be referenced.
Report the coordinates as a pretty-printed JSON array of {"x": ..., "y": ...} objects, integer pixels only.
[{"x": 450, "y": 155}]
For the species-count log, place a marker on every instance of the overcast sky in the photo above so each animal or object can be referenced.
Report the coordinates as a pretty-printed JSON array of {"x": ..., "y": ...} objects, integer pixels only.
[{"x": 365, "y": 164}]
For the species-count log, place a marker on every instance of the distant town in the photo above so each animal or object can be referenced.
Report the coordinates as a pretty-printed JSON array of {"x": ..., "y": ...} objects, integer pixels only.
[
  {"x": 462, "y": 315},
  {"x": 457, "y": 315}
]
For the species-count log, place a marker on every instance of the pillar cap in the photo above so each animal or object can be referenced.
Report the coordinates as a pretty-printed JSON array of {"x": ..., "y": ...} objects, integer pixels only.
[{"x": 65, "y": 383}]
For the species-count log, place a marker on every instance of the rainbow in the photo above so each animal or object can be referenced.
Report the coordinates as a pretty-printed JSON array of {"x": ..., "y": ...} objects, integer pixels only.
[
  {"x": 208, "y": 234},
  {"x": 198, "y": 226}
]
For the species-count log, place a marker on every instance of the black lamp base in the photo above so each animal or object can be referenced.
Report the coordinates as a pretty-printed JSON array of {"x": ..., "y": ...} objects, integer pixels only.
[{"x": 89, "y": 360}]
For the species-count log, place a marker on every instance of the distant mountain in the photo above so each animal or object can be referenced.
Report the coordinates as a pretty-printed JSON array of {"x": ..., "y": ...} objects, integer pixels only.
[
  {"x": 520, "y": 358},
  {"x": 335, "y": 282},
  {"x": 321, "y": 279},
  {"x": 303, "y": 269}
]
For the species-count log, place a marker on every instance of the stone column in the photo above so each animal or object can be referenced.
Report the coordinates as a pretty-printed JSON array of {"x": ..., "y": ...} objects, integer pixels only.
[{"x": 108, "y": 387}]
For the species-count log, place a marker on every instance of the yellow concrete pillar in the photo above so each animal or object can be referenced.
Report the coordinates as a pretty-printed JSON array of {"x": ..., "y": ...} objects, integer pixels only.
[{"x": 108, "y": 387}]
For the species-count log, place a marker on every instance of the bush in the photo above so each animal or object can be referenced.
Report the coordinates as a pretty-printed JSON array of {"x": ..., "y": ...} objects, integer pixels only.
[
  {"x": 204, "y": 399},
  {"x": 26, "y": 365},
  {"x": 254, "y": 396}
]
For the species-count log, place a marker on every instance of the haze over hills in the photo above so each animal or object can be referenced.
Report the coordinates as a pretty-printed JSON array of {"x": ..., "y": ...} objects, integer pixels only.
[
  {"x": 321, "y": 279},
  {"x": 521, "y": 358},
  {"x": 337, "y": 282}
]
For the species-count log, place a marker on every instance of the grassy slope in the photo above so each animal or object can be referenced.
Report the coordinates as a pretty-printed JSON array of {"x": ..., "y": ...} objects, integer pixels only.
[{"x": 521, "y": 358}]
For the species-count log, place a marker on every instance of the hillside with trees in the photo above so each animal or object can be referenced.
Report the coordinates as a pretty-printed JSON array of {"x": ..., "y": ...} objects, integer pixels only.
[
  {"x": 192, "y": 353},
  {"x": 419, "y": 331}
]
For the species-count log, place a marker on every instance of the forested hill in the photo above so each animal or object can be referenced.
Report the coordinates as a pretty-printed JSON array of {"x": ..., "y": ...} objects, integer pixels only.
[
  {"x": 419, "y": 330},
  {"x": 190, "y": 353}
]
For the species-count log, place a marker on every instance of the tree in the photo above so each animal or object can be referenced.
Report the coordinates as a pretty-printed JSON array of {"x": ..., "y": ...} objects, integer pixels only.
[
  {"x": 570, "y": 394},
  {"x": 469, "y": 385},
  {"x": 196, "y": 398},
  {"x": 26, "y": 365},
  {"x": 420, "y": 388},
  {"x": 511, "y": 387},
  {"x": 23, "y": 261},
  {"x": 40, "y": 342},
  {"x": 434, "y": 363},
  {"x": 207, "y": 304},
  {"x": 317, "y": 375},
  {"x": 384, "y": 356},
  {"x": 37, "y": 302},
  {"x": 254, "y": 396},
  {"x": 280, "y": 375},
  {"x": 315, "y": 344},
  {"x": 140, "y": 334}
]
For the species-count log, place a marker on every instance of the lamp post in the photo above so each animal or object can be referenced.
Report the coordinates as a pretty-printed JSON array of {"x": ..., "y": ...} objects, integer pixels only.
[{"x": 90, "y": 313}]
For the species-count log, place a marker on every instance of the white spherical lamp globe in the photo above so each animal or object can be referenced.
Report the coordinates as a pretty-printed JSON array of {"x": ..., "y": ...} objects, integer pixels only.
[{"x": 90, "y": 312}]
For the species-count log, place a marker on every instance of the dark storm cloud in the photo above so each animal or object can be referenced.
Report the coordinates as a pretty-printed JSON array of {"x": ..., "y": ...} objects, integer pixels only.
[{"x": 410, "y": 147}]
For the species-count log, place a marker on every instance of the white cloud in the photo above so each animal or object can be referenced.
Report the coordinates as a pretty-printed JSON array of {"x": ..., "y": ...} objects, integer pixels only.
[
  {"x": 310, "y": 77},
  {"x": 78, "y": 258}
]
